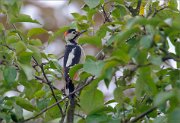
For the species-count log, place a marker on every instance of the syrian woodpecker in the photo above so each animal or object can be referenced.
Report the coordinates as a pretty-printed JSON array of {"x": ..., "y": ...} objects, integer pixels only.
[{"x": 73, "y": 55}]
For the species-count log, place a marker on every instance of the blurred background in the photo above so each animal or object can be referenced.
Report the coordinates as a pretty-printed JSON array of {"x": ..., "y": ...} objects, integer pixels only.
[{"x": 54, "y": 14}]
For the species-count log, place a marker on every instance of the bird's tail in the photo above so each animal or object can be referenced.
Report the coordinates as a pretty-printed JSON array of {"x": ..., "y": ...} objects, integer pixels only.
[
  {"x": 70, "y": 88},
  {"x": 69, "y": 84}
]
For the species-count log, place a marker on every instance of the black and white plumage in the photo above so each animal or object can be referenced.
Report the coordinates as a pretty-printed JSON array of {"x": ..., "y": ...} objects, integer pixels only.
[{"x": 73, "y": 55}]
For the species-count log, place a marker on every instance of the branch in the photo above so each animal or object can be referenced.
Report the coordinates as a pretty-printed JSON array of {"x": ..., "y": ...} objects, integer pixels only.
[
  {"x": 79, "y": 115},
  {"x": 60, "y": 57},
  {"x": 51, "y": 88},
  {"x": 51, "y": 106},
  {"x": 135, "y": 11},
  {"x": 47, "y": 81},
  {"x": 157, "y": 11},
  {"x": 138, "y": 6},
  {"x": 106, "y": 18},
  {"x": 169, "y": 56},
  {"x": 7, "y": 47},
  {"x": 143, "y": 114},
  {"x": 18, "y": 32}
]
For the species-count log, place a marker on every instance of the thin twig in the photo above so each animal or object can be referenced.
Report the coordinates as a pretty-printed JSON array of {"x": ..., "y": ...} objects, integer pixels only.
[
  {"x": 106, "y": 18},
  {"x": 51, "y": 87},
  {"x": 60, "y": 57},
  {"x": 4, "y": 38},
  {"x": 14, "y": 26},
  {"x": 169, "y": 56},
  {"x": 157, "y": 11},
  {"x": 81, "y": 116},
  {"x": 8, "y": 47},
  {"x": 143, "y": 114}
]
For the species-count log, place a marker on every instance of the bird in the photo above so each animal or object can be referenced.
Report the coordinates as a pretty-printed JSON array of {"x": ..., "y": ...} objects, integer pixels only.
[{"x": 74, "y": 54}]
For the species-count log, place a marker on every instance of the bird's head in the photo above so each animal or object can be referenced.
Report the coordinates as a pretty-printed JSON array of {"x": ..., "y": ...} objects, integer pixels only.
[{"x": 71, "y": 35}]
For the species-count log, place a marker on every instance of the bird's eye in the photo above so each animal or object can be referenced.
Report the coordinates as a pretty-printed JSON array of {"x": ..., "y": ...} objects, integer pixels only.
[{"x": 74, "y": 32}]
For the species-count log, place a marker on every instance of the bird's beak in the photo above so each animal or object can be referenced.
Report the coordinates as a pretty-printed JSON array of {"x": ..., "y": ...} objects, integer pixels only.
[{"x": 81, "y": 32}]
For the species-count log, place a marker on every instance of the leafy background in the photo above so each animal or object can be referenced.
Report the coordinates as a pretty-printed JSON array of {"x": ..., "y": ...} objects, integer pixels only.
[{"x": 132, "y": 62}]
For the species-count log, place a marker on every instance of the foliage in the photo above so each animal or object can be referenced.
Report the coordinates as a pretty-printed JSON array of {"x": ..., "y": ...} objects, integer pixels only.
[{"x": 138, "y": 35}]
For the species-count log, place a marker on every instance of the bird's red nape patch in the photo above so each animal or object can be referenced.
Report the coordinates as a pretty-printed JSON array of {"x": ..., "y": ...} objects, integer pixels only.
[{"x": 65, "y": 33}]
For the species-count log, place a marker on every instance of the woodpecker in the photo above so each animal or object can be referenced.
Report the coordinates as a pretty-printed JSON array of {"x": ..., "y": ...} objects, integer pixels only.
[{"x": 73, "y": 55}]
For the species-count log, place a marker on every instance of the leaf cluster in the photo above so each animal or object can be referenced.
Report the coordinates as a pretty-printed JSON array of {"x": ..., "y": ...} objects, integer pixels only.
[{"x": 134, "y": 42}]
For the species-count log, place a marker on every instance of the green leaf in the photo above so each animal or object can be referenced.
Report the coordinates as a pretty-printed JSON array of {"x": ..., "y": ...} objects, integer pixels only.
[
  {"x": 12, "y": 39},
  {"x": 146, "y": 41},
  {"x": 39, "y": 94},
  {"x": 79, "y": 17},
  {"x": 18, "y": 112},
  {"x": 177, "y": 46},
  {"x": 74, "y": 69},
  {"x": 55, "y": 65},
  {"x": 59, "y": 32},
  {"x": 9, "y": 74},
  {"x": 92, "y": 3},
  {"x": 140, "y": 56},
  {"x": 94, "y": 40},
  {"x": 119, "y": 1},
  {"x": 174, "y": 117},
  {"x": 145, "y": 82},
  {"x": 31, "y": 87},
  {"x": 111, "y": 39},
  {"x": 94, "y": 101},
  {"x": 35, "y": 42},
  {"x": 93, "y": 67},
  {"x": 118, "y": 95},
  {"x": 162, "y": 97},
  {"x": 102, "y": 31},
  {"x": 42, "y": 103},
  {"x": 97, "y": 118},
  {"x": 173, "y": 4},
  {"x": 20, "y": 47},
  {"x": 36, "y": 31},
  {"x": 82, "y": 26},
  {"x": 156, "y": 60},
  {"x": 108, "y": 74},
  {"x": 22, "y": 18},
  {"x": 5, "y": 116},
  {"x": 25, "y": 57},
  {"x": 122, "y": 53},
  {"x": 28, "y": 70},
  {"x": 36, "y": 53},
  {"x": 1, "y": 27},
  {"x": 161, "y": 119},
  {"x": 126, "y": 34},
  {"x": 119, "y": 11},
  {"x": 25, "y": 104},
  {"x": 52, "y": 113}
]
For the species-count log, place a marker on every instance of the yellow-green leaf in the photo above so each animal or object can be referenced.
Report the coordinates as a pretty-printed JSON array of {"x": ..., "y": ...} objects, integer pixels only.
[
  {"x": 25, "y": 104},
  {"x": 36, "y": 31}
]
